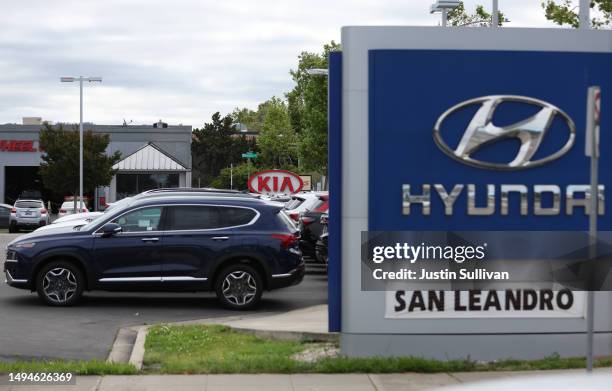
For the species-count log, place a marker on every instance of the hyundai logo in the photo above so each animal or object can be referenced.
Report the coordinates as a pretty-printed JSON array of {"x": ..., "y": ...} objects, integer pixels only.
[{"x": 482, "y": 131}]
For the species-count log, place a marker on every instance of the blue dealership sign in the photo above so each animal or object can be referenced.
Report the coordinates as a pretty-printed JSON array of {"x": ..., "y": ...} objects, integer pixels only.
[{"x": 508, "y": 121}]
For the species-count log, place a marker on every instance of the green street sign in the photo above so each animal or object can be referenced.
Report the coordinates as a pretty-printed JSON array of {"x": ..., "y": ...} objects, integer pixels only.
[{"x": 249, "y": 155}]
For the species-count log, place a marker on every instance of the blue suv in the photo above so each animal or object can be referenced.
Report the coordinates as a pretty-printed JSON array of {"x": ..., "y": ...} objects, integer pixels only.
[{"x": 236, "y": 246}]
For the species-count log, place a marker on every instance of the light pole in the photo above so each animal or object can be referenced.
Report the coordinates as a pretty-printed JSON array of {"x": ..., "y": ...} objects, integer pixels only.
[
  {"x": 495, "y": 15},
  {"x": 80, "y": 79},
  {"x": 443, "y": 6},
  {"x": 584, "y": 14}
]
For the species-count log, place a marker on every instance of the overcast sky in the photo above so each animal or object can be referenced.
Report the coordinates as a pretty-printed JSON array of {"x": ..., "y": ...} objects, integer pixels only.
[{"x": 179, "y": 60}]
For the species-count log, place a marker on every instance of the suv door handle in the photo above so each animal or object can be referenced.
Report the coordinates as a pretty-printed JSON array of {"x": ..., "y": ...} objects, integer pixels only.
[
  {"x": 220, "y": 238},
  {"x": 150, "y": 239}
]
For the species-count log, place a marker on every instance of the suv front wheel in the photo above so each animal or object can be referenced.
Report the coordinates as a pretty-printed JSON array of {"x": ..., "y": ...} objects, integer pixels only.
[
  {"x": 239, "y": 287},
  {"x": 60, "y": 283}
]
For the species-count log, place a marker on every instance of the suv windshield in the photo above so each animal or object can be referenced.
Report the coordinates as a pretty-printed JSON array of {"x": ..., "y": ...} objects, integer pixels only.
[{"x": 28, "y": 204}]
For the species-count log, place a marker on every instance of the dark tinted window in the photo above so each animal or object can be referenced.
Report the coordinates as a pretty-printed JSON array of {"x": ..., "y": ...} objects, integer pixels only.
[
  {"x": 207, "y": 217},
  {"x": 231, "y": 217},
  {"x": 28, "y": 204}
]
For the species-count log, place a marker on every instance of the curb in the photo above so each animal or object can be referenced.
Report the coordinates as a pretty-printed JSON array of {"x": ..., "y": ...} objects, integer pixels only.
[
  {"x": 138, "y": 350},
  {"x": 122, "y": 346}
]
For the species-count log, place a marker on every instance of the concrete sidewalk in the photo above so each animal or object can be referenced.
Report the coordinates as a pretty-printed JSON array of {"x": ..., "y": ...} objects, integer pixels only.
[
  {"x": 309, "y": 320},
  {"x": 298, "y": 382}
]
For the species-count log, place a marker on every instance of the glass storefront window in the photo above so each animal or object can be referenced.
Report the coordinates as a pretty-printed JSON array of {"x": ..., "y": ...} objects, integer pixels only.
[{"x": 131, "y": 184}]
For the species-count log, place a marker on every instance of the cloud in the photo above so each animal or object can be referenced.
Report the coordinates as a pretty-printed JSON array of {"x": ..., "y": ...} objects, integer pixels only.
[{"x": 182, "y": 60}]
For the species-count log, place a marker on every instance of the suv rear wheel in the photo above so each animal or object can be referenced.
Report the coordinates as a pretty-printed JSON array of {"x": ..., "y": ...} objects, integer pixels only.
[
  {"x": 60, "y": 283},
  {"x": 239, "y": 287}
]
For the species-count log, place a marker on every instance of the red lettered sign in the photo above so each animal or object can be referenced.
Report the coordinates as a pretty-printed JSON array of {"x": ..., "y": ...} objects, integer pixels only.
[
  {"x": 272, "y": 182},
  {"x": 17, "y": 146}
]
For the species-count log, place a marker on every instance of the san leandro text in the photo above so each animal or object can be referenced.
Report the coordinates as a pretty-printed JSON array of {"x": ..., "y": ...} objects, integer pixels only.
[{"x": 404, "y": 252}]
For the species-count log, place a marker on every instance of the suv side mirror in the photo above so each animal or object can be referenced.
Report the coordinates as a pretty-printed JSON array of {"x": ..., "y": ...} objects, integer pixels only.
[{"x": 110, "y": 229}]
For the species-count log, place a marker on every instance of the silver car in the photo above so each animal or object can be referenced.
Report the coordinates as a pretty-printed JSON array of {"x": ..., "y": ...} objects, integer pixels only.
[{"x": 28, "y": 214}]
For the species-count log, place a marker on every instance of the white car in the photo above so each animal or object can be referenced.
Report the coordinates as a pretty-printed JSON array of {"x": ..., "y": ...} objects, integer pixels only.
[
  {"x": 72, "y": 220},
  {"x": 89, "y": 216},
  {"x": 67, "y": 208},
  {"x": 29, "y": 214},
  {"x": 302, "y": 202}
]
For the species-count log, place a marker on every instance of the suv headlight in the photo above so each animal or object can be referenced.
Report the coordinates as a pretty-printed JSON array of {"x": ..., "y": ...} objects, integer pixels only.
[{"x": 24, "y": 245}]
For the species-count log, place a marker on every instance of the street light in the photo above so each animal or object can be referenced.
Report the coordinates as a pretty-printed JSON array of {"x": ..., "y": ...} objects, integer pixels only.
[
  {"x": 317, "y": 72},
  {"x": 443, "y": 6},
  {"x": 80, "y": 79}
]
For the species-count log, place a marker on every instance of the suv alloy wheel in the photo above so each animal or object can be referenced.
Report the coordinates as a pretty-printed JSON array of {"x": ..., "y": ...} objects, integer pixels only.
[
  {"x": 60, "y": 283},
  {"x": 239, "y": 287}
]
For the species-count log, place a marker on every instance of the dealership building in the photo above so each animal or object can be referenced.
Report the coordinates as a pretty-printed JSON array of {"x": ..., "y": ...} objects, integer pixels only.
[{"x": 152, "y": 156}]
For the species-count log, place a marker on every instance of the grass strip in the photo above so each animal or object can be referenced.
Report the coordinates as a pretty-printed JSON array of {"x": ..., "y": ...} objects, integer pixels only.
[
  {"x": 91, "y": 367},
  {"x": 219, "y": 349}
]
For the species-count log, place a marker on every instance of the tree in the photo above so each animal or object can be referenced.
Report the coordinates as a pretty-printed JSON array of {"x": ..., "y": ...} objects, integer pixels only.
[
  {"x": 481, "y": 18},
  {"x": 247, "y": 117},
  {"x": 252, "y": 119},
  {"x": 307, "y": 107},
  {"x": 277, "y": 141},
  {"x": 59, "y": 170},
  {"x": 565, "y": 12},
  {"x": 215, "y": 147}
]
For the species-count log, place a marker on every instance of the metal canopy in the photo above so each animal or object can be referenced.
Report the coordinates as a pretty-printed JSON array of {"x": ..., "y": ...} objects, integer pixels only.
[{"x": 149, "y": 158}]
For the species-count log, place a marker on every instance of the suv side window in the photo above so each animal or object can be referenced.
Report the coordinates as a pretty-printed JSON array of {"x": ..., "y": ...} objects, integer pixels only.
[
  {"x": 231, "y": 217},
  {"x": 141, "y": 220},
  {"x": 188, "y": 217}
]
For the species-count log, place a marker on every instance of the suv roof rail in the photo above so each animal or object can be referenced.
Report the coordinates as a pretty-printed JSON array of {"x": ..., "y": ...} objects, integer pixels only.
[{"x": 191, "y": 189}]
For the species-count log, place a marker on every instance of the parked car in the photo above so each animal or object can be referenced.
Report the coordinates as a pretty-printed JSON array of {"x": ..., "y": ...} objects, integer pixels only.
[
  {"x": 321, "y": 247},
  {"x": 86, "y": 216},
  {"x": 235, "y": 246},
  {"x": 310, "y": 227},
  {"x": 28, "y": 213},
  {"x": 72, "y": 220},
  {"x": 5, "y": 215},
  {"x": 302, "y": 202},
  {"x": 67, "y": 208}
]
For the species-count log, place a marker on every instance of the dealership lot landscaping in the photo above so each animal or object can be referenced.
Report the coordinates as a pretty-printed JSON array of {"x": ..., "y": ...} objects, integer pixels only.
[{"x": 219, "y": 349}]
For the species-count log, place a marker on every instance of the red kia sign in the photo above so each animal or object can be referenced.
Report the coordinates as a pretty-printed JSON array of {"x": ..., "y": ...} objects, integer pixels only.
[
  {"x": 272, "y": 182},
  {"x": 17, "y": 146}
]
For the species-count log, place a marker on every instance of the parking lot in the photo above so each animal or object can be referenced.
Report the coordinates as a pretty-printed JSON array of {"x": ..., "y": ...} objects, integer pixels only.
[{"x": 29, "y": 329}]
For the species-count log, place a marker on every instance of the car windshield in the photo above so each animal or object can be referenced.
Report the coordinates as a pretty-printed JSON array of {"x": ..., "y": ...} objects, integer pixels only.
[
  {"x": 294, "y": 203},
  {"x": 28, "y": 204}
]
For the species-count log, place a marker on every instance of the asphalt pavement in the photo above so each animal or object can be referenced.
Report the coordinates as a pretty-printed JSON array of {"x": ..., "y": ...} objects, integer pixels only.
[{"x": 30, "y": 329}]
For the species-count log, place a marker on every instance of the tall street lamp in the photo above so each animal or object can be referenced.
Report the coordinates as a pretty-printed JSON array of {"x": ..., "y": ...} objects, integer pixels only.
[{"x": 80, "y": 79}]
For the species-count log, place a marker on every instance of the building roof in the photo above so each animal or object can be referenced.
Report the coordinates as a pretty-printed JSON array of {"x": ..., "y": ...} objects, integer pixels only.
[{"x": 149, "y": 158}]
